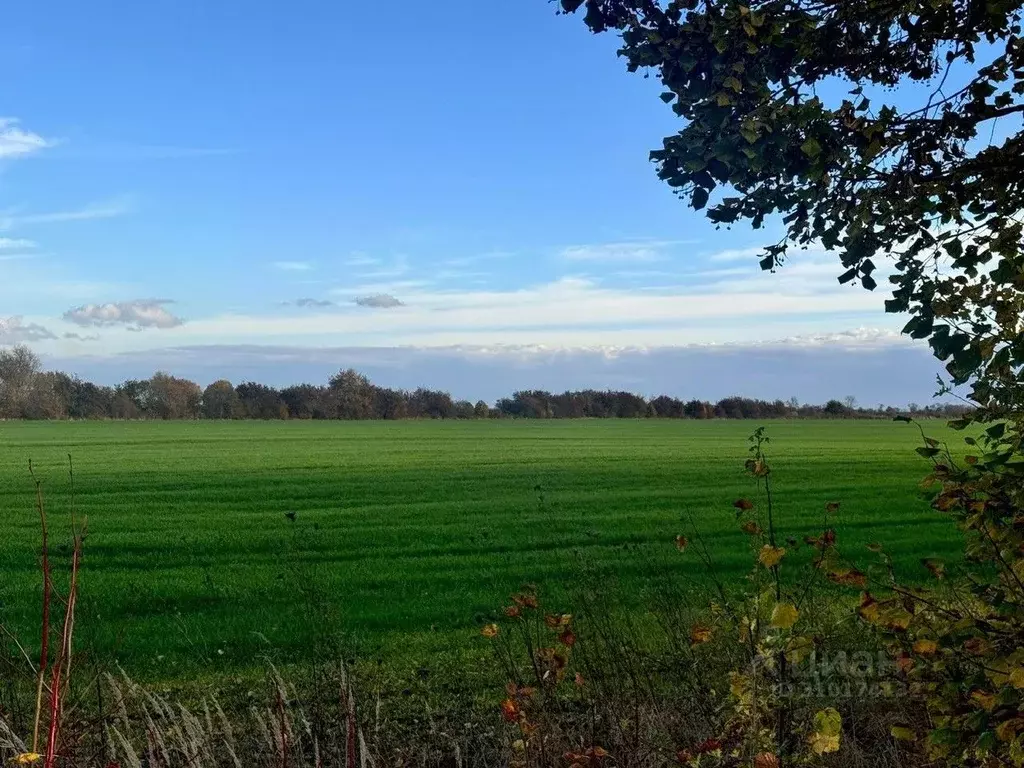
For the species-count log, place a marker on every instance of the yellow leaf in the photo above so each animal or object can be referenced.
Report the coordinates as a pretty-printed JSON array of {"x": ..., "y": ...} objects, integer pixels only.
[
  {"x": 902, "y": 733},
  {"x": 896, "y": 618},
  {"x": 26, "y": 758},
  {"x": 827, "y": 726},
  {"x": 784, "y": 615},
  {"x": 926, "y": 647},
  {"x": 1008, "y": 729},
  {"x": 490, "y": 631},
  {"x": 771, "y": 556},
  {"x": 1017, "y": 677},
  {"x": 799, "y": 648},
  {"x": 986, "y": 701},
  {"x": 738, "y": 685},
  {"x": 869, "y": 609}
]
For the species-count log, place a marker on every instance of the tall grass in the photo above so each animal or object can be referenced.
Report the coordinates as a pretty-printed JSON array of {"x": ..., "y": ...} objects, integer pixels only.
[{"x": 579, "y": 681}]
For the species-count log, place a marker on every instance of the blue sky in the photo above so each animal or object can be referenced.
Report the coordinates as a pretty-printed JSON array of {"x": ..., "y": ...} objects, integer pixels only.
[{"x": 204, "y": 185}]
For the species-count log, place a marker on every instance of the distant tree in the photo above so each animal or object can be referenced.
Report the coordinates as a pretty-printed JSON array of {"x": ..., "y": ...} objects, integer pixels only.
[
  {"x": 431, "y": 404},
  {"x": 698, "y": 409},
  {"x": 19, "y": 367},
  {"x": 627, "y": 405},
  {"x": 667, "y": 407},
  {"x": 131, "y": 399},
  {"x": 835, "y": 409},
  {"x": 46, "y": 398},
  {"x": 260, "y": 401},
  {"x": 221, "y": 401},
  {"x": 351, "y": 395},
  {"x": 89, "y": 401},
  {"x": 734, "y": 408},
  {"x": 172, "y": 398},
  {"x": 481, "y": 410},
  {"x": 307, "y": 401},
  {"x": 532, "y": 404},
  {"x": 463, "y": 409},
  {"x": 390, "y": 403}
]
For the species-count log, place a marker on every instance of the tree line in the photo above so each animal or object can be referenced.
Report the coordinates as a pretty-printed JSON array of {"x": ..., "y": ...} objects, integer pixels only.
[{"x": 29, "y": 392}]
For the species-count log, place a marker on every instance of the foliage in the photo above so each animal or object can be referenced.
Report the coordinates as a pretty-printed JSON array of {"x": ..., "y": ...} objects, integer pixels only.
[
  {"x": 866, "y": 175},
  {"x": 28, "y": 392},
  {"x": 769, "y": 720},
  {"x": 921, "y": 178},
  {"x": 960, "y": 644}
]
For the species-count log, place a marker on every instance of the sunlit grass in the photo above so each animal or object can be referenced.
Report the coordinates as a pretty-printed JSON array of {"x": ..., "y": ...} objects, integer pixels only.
[{"x": 410, "y": 534}]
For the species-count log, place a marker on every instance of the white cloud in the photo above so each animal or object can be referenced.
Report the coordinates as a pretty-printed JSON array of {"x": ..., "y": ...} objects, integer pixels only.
[
  {"x": 293, "y": 266},
  {"x": 10, "y": 243},
  {"x": 465, "y": 261},
  {"x": 14, "y": 330},
  {"x": 17, "y": 142},
  {"x": 378, "y": 301},
  {"x": 736, "y": 254},
  {"x": 391, "y": 286},
  {"x": 638, "y": 252},
  {"x": 570, "y": 312},
  {"x": 107, "y": 210},
  {"x": 71, "y": 336},
  {"x": 135, "y": 315},
  {"x": 359, "y": 259}
]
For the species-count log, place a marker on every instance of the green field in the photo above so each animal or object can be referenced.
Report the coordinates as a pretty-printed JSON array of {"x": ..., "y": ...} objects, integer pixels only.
[{"x": 411, "y": 532}]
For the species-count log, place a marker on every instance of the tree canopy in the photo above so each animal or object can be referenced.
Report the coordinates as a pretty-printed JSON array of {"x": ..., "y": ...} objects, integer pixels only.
[{"x": 872, "y": 128}]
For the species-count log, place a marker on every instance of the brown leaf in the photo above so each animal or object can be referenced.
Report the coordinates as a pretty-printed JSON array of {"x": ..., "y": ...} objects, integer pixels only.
[
  {"x": 509, "y": 710},
  {"x": 700, "y": 634},
  {"x": 751, "y": 527}
]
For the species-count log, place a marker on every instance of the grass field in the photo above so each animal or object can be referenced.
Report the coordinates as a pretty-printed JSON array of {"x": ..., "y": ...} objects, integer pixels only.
[{"x": 411, "y": 532}]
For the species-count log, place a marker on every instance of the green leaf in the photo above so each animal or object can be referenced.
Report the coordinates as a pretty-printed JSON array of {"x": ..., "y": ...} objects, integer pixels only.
[
  {"x": 928, "y": 453},
  {"x": 700, "y": 198},
  {"x": 996, "y": 431},
  {"x": 827, "y": 729},
  {"x": 811, "y": 147}
]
